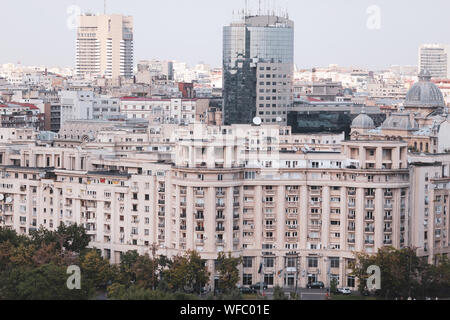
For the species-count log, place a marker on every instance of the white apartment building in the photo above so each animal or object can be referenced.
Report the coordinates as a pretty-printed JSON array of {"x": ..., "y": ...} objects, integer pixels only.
[
  {"x": 165, "y": 111},
  {"x": 435, "y": 59},
  {"x": 105, "y": 46},
  {"x": 86, "y": 105},
  {"x": 234, "y": 189}
]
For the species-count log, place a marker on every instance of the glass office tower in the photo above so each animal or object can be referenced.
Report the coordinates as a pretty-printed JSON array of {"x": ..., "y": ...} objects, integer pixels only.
[{"x": 246, "y": 44}]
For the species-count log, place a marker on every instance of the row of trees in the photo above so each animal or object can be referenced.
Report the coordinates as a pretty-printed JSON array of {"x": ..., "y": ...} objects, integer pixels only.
[
  {"x": 404, "y": 274},
  {"x": 35, "y": 267}
]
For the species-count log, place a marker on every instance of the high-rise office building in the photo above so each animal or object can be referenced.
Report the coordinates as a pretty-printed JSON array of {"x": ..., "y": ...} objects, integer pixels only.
[
  {"x": 258, "y": 63},
  {"x": 435, "y": 59},
  {"x": 105, "y": 46}
]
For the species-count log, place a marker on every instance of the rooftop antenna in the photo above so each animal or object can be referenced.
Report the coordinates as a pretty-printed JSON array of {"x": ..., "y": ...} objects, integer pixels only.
[
  {"x": 259, "y": 8},
  {"x": 104, "y": 7}
]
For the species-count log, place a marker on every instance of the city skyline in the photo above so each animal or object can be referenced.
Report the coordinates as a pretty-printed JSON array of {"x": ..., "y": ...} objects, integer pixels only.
[{"x": 352, "y": 43}]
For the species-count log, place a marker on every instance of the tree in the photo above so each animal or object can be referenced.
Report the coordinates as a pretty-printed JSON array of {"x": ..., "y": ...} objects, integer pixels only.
[
  {"x": 227, "y": 267},
  {"x": 11, "y": 236},
  {"x": 116, "y": 291},
  {"x": 22, "y": 255},
  {"x": 71, "y": 238},
  {"x": 127, "y": 262},
  {"x": 145, "y": 270},
  {"x": 401, "y": 272},
  {"x": 333, "y": 286},
  {"x": 96, "y": 269},
  {"x": 278, "y": 294},
  {"x": 48, "y": 253},
  {"x": 48, "y": 282},
  {"x": 187, "y": 273}
]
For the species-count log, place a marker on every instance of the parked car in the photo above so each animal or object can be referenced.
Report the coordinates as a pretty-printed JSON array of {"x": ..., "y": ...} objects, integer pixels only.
[
  {"x": 247, "y": 290},
  {"x": 345, "y": 291},
  {"x": 257, "y": 286},
  {"x": 316, "y": 285}
]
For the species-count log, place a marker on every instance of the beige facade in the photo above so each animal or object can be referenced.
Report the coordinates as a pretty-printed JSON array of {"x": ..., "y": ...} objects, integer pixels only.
[
  {"x": 230, "y": 189},
  {"x": 166, "y": 111},
  {"x": 105, "y": 46}
]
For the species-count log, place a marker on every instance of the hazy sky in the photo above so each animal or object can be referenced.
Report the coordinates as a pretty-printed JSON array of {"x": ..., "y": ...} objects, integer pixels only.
[{"x": 326, "y": 31}]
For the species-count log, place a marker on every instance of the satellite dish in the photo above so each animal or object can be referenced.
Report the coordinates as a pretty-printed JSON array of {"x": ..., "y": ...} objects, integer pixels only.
[
  {"x": 2, "y": 197},
  {"x": 257, "y": 121},
  {"x": 8, "y": 200},
  {"x": 279, "y": 119}
]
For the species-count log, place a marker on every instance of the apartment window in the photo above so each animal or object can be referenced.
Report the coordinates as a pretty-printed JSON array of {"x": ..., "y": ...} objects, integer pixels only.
[
  {"x": 247, "y": 262},
  {"x": 268, "y": 279},
  {"x": 250, "y": 175},
  {"x": 313, "y": 262},
  {"x": 291, "y": 262},
  {"x": 247, "y": 279},
  {"x": 351, "y": 281},
  {"x": 334, "y": 262},
  {"x": 269, "y": 262}
]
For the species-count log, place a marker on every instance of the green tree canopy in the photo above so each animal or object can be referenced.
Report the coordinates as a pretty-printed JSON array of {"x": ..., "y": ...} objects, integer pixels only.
[
  {"x": 187, "y": 273},
  {"x": 228, "y": 270}
]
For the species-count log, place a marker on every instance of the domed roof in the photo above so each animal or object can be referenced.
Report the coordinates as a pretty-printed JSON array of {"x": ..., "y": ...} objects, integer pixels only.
[
  {"x": 348, "y": 92},
  {"x": 400, "y": 121},
  {"x": 363, "y": 121},
  {"x": 424, "y": 93}
]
